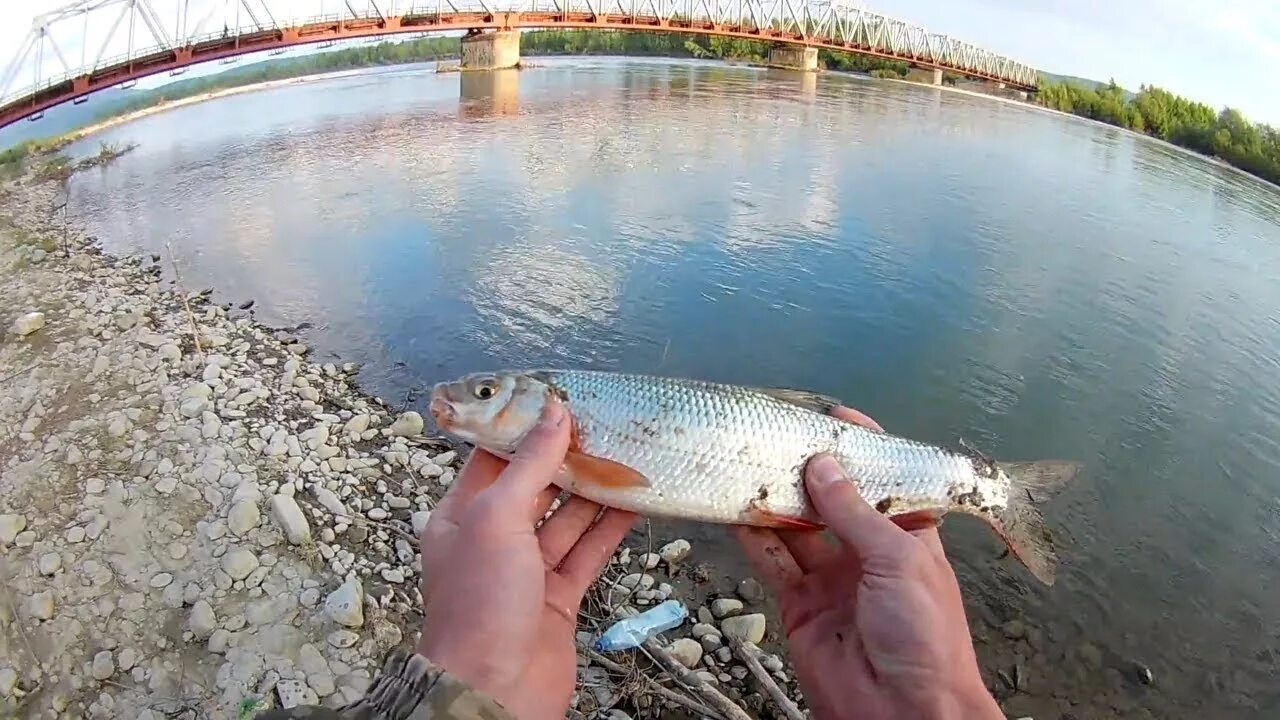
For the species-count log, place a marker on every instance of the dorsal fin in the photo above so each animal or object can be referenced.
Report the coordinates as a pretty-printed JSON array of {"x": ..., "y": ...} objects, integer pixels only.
[{"x": 803, "y": 398}]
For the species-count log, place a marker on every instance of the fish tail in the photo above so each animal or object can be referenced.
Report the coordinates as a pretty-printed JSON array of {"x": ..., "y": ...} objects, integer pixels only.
[{"x": 1020, "y": 523}]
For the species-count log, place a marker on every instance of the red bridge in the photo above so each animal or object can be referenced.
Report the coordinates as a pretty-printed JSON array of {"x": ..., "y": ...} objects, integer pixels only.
[{"x": 248, "y": 26}]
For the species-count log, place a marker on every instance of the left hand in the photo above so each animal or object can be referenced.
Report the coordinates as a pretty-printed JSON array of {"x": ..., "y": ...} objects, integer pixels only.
[{"x": 501, "y": 594}]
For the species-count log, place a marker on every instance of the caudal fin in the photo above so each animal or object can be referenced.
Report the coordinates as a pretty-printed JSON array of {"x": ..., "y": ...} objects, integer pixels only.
[{"x": 1020, "y": 524}]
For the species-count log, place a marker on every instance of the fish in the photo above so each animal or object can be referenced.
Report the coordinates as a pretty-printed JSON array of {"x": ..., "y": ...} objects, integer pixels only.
[{"x": 712, "y": 452}]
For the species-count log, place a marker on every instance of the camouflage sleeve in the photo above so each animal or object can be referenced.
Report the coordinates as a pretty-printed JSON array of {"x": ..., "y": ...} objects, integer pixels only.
[{"x": 410, "y": 687}]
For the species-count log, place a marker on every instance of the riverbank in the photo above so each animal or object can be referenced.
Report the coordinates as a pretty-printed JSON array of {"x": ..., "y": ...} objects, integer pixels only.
[{"x": 198, "y": 520}]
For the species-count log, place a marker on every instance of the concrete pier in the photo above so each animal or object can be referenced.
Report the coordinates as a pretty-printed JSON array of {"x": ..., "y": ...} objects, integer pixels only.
[
  {"x": 793, "y": 57},
  {"x": 937, "y": 76},
  {"x": 490, "y": 50}
]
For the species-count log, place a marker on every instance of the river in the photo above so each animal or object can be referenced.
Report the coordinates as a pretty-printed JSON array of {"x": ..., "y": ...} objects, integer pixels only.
[{"x": 954, "y": 266}]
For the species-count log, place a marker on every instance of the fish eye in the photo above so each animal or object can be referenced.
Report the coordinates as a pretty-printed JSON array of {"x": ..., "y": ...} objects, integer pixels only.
[{"x": 485, "y": 390}]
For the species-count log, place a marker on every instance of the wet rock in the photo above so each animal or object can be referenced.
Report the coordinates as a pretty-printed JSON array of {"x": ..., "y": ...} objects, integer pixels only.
[
  {"x": 27, "y": 324},
  {"x": 748, "y": 628},
  {"x": 687, "y": 652},
  {"x": 675, "y": 551},
  {"x": 408, "y": 424},
  {"x": 1143, "y": 674},
  {"x": 40, "y": 605},
  {"x": 750, "y": 590},
  {"x": 287, "y": 514},
  {"x": 239, "y": 563},
  {"x": 345, "y": 605},
  {"x": 202, "y": 621},
  {"x": 724, "y": 607},
  {"x": 1014, "y": 629},
  {"x": 104, "y": 665},
  {"x": 10, "y": 526}
]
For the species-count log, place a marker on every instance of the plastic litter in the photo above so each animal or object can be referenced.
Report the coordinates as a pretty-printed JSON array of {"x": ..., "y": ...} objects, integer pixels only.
[{"x": 633, "y": 631}]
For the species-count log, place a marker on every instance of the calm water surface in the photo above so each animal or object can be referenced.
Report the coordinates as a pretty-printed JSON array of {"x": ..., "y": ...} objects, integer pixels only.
[{"x": 956, "y": 267}]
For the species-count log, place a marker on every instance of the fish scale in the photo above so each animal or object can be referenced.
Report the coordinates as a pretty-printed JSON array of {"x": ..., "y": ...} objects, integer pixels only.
[
  {"x": 724, "y": 453},
  {"x": 697, "y": 450}
]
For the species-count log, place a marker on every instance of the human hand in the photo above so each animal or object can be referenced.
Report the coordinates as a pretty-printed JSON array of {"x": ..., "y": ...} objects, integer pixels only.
[
  {"x": 875, "y": 621},
  {"x": 501, "y": 595}
]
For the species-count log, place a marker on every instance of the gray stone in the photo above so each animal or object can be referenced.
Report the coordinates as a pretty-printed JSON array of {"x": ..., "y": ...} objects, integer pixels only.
[
  {"x": 94, "y": 486},
  {"x": 649, "y": 561},
  {"x": 675, "y": 551},
  {"x": 419, "y": 521},
  {"x": 160, "y": 580},
  {"x": 393, "y": 575},
  {"x": 8, "y": 681},
  {"x": 749, "y": 628},
  {"x": 287, "y": 514},
  {"x": 687, "y": 651},
  {"x": 239, "y": 563},
  {"x": 378, "y": 514},
  {"x": 29, "y": 323},
  {"x": 49, "y": 563},
  {"x": 346, "y": 604},
  {"x": 329, "y": 501},
  {"x": 104, "y": 665},
  {"x": 127, "y": 659},
  {"x": 700, "y": 629},
  {"x": 294, "y": 693},
  {"x": 724, "y": 607},
  {"x": 750, "y": 590},
  {"x": 407, "y": 425},
  {"x": 193, "y": 407},
  {"x": 203, "y": 620},
  {"x": 772, "y": 663},
  {"x": 311, "y": 661},
  {"x": 218, "y": 641},
  {"x": 10, "y": 526},
  {"x": 357, "y": 424},
  {"x": 342, "y": 638},
  {"x": 243, "y": 517},
  {"x": 41, "y": 605}
]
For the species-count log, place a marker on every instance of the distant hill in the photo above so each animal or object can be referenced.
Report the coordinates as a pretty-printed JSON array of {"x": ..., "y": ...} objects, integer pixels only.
[
  {"x": 68, "y": 116},
  {"x": 1049, "y": 77}
]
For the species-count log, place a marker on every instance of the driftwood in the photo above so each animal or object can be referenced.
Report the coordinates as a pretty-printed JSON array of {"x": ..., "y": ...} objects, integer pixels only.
[
  {"x": 657, "y": 687},
  {"x": 746, "y": 652},
  {"x": 716, "y": 699}
]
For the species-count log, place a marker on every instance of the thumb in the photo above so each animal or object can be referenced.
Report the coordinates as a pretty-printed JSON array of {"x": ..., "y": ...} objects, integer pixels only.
[
  {"x": 872, "y": 536},
  {"x": 538, "y": 458}
]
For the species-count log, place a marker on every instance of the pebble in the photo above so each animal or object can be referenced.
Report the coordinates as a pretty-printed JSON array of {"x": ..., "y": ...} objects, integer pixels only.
[
  {"x": 408, "y": 424},
  {"x": 649, "y": 561},
  {"x": 724, "y": 607},
  {"x": 750, "y": 590},
  {"x": 239, "y": 563},
  {"x": 293, "y": 693},
  {"x": 127, "y": 659},
  {"x": 749, "y": 628},
  {"x": 94, "y": 486},
  {"x": 393, "y": 575},
  {"x": 342, "y": 638},
  {"x": 346, "y": 604},
  {"x": 219, "y": 641},
  {"x": 160, "y": 580},
  {"x": 202, "y": 621},
  {"x": 377, "y": 514},
  {"x": 41, "y": 605},
  {"x": 243, "y": 517},
  {"x": 688, "y": 652},
  {"x": 356, "y": 425},
  {"x": 287, "y": 514},
  {"x": 419, "y": 521},
  {"x": 8, "y": 681},
  {"x": 701, "y": 629},
  {"x": 104, "y": 665},
  {"x": 29, "y": 323},
  {"x": 10, "y": 526},
  {"x": 772, "y": 663},
  {"x": 1014, "y": 629},
  {"x": 49, "y": 563},
  {"x": 675, "y": 551}
]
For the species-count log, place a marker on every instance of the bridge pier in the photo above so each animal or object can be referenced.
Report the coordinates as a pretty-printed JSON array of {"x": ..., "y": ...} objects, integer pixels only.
[
  {"x": 937, "y": 76},
  {"x": 490, "y": 50},
  {"x": 793, "y": 57}
]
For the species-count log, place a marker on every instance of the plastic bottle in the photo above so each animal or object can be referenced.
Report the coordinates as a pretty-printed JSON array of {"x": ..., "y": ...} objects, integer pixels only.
[{"x": 631, "y": 632}]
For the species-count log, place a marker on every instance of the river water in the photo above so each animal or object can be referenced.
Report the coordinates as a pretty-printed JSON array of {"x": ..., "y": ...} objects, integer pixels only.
[{"x": 955, "y": 266}]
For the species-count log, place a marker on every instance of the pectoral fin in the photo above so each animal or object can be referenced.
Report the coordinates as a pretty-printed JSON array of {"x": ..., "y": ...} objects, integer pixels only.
[{"x": 591, "y": 470}]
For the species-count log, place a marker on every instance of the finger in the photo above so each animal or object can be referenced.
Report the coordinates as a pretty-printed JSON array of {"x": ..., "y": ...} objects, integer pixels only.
[
  {"x": 810, "y": 548},
  {"x": 565, "y": 526},
  {"x": 537, "y": 460},
  {"x": 481, "y": 469},
  {"x": 857, "y": 418},
  {"x": 872, "y": 536},
  {"x": 583, "y": 564},
  {"x": 545, "y": 499},
  {"x": 769, "y": 556},
  {"x": 930, "y": 538}
]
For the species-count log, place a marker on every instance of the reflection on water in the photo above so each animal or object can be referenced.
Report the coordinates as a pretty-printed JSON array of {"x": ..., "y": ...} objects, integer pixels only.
[{"x": 957, "y": 267}]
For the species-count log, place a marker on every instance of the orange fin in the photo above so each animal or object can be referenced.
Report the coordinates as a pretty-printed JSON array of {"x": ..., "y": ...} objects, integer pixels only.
[
  {"x": 758, "y": 514},
  {"x": 591, "y": 470}
]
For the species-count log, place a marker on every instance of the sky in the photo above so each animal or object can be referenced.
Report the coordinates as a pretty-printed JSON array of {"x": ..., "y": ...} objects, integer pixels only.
[{"x": 1223, "y": 53}]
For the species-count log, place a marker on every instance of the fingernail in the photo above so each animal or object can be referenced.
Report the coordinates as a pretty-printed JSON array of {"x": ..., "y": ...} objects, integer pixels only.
[
  {"x": 552, "y": 415},
  {"x": 824, "y": 470}
]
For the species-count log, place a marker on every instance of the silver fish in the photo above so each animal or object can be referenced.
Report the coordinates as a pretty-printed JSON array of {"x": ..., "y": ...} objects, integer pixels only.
[{"x": 731, "y": 454}]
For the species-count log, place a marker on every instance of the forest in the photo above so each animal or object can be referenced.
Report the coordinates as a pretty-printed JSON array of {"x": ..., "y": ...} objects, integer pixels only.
[{"x": 1227, "y": 135}]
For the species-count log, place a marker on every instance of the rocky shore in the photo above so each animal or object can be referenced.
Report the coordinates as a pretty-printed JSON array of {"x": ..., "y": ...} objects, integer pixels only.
[{"x": 196, "y": 521}]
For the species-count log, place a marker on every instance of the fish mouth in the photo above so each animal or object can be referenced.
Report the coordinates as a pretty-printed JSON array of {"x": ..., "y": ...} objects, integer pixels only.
[{"x": 441, "y": 409}]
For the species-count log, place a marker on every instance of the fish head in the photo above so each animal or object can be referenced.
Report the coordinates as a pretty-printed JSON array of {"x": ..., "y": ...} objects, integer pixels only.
[{"x": 493, "y": 411}]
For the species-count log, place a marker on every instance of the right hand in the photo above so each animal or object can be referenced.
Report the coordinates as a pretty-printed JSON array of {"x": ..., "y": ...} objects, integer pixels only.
[{"x": 874, "y": 623}]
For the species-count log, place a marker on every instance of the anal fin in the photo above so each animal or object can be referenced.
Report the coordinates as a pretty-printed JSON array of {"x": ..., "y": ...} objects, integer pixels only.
[{"x": 759, "y": 514}]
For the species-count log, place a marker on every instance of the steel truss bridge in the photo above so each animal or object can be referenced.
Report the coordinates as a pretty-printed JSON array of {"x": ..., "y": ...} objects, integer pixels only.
[{"x": 90, "y": 45}]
